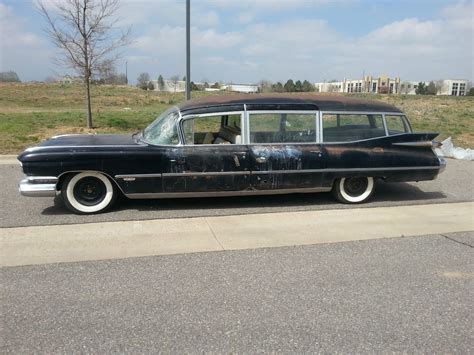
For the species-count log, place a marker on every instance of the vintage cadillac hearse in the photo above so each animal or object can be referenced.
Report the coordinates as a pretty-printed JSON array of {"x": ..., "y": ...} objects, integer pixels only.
[{"x": 237, "y": 145}]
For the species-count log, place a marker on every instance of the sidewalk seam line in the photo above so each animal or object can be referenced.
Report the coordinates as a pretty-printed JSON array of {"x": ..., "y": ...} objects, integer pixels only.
[
  {"x": 457, "y": 241},
  {"x": 213, "y": 234}
]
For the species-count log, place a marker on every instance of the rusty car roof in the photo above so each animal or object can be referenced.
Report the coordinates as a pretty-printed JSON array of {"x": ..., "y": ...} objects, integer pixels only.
[{"x": 310, "y": 101}]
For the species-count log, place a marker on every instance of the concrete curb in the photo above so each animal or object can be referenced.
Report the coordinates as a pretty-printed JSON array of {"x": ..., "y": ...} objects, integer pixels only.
[{"x": 116, "y": 240}]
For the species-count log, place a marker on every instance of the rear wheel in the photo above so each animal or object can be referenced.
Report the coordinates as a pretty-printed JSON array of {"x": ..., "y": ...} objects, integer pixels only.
[
  {"x": 354, "y": 189},
  {"x": 88, "y": 192}
]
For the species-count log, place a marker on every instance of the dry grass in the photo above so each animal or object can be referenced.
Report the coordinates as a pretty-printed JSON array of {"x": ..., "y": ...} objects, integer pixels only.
[{"x": 30, "y": 113}]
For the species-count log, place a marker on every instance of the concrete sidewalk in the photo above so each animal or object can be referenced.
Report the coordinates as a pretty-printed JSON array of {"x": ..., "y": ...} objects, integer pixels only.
[
  {"x": 8, "y": 160},
  {"x": 114, "y": 240}
]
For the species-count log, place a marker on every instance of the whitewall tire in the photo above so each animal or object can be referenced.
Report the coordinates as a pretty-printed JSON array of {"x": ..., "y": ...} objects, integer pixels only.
[
  {"x": 88, "y": 192},
  {"x": 357, "y": 189}
]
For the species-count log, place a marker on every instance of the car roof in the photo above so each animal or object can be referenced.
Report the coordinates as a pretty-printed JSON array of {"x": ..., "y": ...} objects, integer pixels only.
[{"x": 235, "y": 102}]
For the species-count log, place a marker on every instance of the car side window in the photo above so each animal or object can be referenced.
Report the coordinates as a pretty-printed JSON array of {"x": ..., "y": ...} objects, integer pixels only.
[
  {"x": 218, "y": 129},
  {"x": 282, "y": 127},
  {"x": 397, "y": 124},
  {"x": 352, "y": 127}
]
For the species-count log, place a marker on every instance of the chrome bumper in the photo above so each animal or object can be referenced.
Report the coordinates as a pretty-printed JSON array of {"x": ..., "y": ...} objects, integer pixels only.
[{"x": 38, "y": 186}]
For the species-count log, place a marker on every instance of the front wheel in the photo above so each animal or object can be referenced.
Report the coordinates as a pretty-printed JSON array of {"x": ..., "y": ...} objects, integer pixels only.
[
  {"x": 354, "y": 189},
  {"x": 88, "y": 192}
]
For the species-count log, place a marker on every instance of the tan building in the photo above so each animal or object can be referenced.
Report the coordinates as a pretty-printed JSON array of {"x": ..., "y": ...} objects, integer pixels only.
[
  {"x": 387, "y": 85},
  {"x": 381, "y": 85}
]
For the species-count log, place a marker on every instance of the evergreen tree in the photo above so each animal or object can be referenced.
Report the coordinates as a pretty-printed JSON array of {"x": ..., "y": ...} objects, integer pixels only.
[
  {"x": 307, "y": 86},
  {"x": 421, "y": 89},
  {"x": 9, "y": 77},
  {"x": 431, "y": 88},
  {"x": 278, "y": 87},
  {"x": 298, "y": 86},
  {"x": 161, "y": 83},
  {"x": 289, "y": 86}
]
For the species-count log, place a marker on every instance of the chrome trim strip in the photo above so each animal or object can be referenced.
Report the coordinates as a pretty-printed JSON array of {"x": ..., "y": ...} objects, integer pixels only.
[
  {"x": 224, "y": 193},
  {"x": 137, "y": 176},
  {"x": 42, "y": 179},
  {"x": 338, "y": 170},
  {"x": 35, "y": 148},
  {"x": 385, "y": 127},
  {"x": 415, "y": 144},
  {"x": 246, "y": 130},
  {"x": 207, "y": 173},
  {"x": 318, "y": 128},
  {"x": 268, "y": 172},
  {"x": 365, "y": 113}
]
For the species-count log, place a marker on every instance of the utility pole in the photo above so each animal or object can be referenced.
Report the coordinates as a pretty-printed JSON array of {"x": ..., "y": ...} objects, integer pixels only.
[
  {"x": 188, "y": 49},
  {"x": 126, "y": 72}
]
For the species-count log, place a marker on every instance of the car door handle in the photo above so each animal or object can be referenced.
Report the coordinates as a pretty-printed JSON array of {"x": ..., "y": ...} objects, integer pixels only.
[{"x": 261, "y": 160}]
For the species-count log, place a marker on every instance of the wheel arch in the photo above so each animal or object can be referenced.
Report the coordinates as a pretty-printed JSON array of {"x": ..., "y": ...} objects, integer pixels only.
[{"x": 63, "y": 176}]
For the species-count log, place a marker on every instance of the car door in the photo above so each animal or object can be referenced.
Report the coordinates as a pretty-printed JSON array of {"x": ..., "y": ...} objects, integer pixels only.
[
  {"x": 283, "y": 149},
  {"x": 212, "y": 159}
]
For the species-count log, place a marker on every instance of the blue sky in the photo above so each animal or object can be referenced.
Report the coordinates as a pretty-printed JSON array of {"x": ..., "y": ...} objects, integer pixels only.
[{"x": 245, "y": 41}]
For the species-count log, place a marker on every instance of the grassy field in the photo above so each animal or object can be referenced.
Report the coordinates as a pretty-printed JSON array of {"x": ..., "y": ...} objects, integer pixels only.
[{"x": 30, "y": 113}]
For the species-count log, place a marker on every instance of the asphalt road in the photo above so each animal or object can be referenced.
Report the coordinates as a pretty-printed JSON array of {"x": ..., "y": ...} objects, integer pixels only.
[
  {"x": 394, "y": 295},
  {"x": 454, "y": 185}
]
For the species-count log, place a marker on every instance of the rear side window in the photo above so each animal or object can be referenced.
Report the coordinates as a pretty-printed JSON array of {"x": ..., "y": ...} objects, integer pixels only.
[
  {"x": 397, "y": 124},
  {"x": 352, "y": 127},
  {"x": 282, "y": 127}
]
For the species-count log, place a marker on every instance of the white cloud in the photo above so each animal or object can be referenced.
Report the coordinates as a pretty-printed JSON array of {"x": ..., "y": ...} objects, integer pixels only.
[
  {"x": 242, "y": 41},
  {"x": 245, "y": 17},
  {"x": 12, "y": 32},
  {"x": 213, "y": 39},
  {"x": 18, "y": 46}
]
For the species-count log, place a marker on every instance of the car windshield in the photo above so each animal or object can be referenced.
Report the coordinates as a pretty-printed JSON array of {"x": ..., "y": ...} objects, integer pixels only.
[{"x": 163, "y": 130}]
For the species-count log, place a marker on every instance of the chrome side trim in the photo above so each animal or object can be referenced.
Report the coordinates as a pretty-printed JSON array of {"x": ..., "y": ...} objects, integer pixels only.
[
  {"x": 38, "y": 186},
  {"x": 35, "y": 148},
  {"x": 269, "y": 172},
  {"x": 329, "y": 170},
  {"x": 415, "y": 144},
  {"x": 207, "y": 173},
  {"x": 42, "y": 179},
  {"x": 225, "y": 193},
  {"x": 130, "y": 176}
]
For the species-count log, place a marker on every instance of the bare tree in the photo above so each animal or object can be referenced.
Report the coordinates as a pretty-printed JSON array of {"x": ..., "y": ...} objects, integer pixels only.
[
  {"x": 143, "y": 80},
  {"x": 440, "y": 86},
  {"x": 265, "y": 86},
  {"x": 85, "y": 32}
]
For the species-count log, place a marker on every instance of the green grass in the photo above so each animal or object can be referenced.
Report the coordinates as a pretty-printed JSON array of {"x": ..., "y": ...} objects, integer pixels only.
[{"x": 30, "y": 113}]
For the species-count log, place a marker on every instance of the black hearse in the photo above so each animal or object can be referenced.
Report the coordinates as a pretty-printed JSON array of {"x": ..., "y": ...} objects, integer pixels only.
[{"x": 237, "y": 145}]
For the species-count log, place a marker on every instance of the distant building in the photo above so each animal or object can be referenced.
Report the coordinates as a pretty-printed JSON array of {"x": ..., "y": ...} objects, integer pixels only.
[
  {"x": 244, "y": 88},
  {"x": 454, "y": 87},
  {"x": 68, "y": 79},
  {"x": 381, "y": 85},
  {"x": 386, "y": 85},
  {"x": 170, "y": 86}
]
